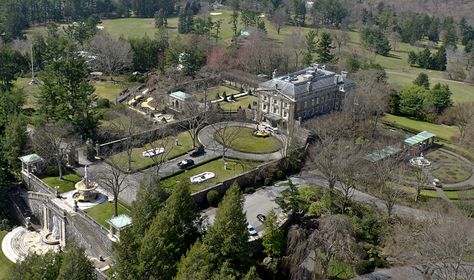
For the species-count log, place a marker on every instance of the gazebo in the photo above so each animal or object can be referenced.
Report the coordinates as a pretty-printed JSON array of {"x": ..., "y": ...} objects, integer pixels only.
[
  {"x": 31, "y": 163},
  {"x": 420, "y": 142},
  {"x": 117, "y": 224}
]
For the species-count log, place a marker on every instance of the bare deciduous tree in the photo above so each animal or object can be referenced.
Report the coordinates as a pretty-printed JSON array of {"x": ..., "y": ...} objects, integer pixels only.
[
  {"x": 53, "y": 141},
  {"x": 113, "y": 56},
  {"x": 280, "y": 18},
  {"x": 112, "y": 180},
  {"x": 225, "y": 133},
  {"x": 341, "y": 38},
  {"x": 333, "y": 240},
  {"x": 165, "y": 141},
  {"x": 460, "y": 115},
  {"x": 421, "y": 179},
  {"x": 437, "y": 247}
]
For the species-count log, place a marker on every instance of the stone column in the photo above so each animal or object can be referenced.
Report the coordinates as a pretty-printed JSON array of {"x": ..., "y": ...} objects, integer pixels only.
[
  {"x": 45, "y": 218},
  {"x": 63, "y": 232}
]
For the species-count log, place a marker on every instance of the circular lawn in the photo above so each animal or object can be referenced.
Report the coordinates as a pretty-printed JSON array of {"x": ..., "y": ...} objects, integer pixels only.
[{"x": 242, "y": 139}]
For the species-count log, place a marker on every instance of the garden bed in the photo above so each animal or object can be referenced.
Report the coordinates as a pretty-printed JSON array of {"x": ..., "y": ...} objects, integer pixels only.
[{"x": 452, "y": 174}]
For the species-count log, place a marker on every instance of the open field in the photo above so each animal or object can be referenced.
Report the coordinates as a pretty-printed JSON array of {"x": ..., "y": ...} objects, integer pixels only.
[
  {"x": 102, "y": 212},
  {"x": 248, "y": 143},
  {"x": 171, "y": 151},
  {"x": 65, "y": 185},
  {"x": 234, "y": 168},
  {"x": 5, "y": 264},
  {"x": 441, "y": 131},
  {"x": 242, "y": 102}
]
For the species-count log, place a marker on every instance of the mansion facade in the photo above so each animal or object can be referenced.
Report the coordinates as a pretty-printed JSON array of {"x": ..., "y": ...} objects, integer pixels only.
[{"x": 301, "y": 95}]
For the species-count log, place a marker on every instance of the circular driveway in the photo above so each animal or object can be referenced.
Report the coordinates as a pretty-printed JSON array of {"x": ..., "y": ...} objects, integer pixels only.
[{"x": 206, "y": 137}]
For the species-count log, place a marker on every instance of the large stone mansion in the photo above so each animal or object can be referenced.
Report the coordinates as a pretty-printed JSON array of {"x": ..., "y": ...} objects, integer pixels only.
[{"x": 301, "y": 95}]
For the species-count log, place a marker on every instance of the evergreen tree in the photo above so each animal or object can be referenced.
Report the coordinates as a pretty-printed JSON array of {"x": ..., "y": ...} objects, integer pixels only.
[
  {"x": 252, "y": 274},
  {"x": 374, "y": 39},
  {"x": 172, "y": 232},
  {"x": 273, "y": 238},
  {"x": 150, "y": 200},
  {"x": 422, "y": 80},
  {"x": 14, "y": 140},
  {"x": 438, "y": 99},
  {"x": 34, "y": 267},
  {"x": 67, "y": 95},
  {"x": 440, "y": 60},
  {"x": 75, "y": 264},
  {"x": 311, "y": 45},
  {"x": 324, "y": 47},
  {"x": 225, "y": 245}
]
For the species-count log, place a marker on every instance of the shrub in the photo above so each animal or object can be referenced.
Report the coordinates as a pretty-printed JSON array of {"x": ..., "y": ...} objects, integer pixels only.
[
  {"x": 280, "y": 174},
  {"x": 213, "y": 198},
  {"x": 103, "y": 103},
  {"x": 249, "y": 190},
  {"x": 364, "y": 267},
  {"x": 267, "y": 181},
  {"x": 317, "y": 208}
]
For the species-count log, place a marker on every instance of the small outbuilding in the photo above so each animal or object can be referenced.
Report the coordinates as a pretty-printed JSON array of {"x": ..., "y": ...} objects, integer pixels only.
[
  {"x": 117, "y": 224},
  {"x": 178, "y": 99}
]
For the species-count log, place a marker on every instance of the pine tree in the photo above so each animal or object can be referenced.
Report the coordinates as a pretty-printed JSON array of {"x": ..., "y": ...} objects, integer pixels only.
[
  {"x": 311, "y": 45},
  {"x": 273, "y": 239},
  {"x": 172, "y": 232},
  {"x": 324, "y": 47},
  {"x": 224, "y": 247},
  {"x": 440, "y": 59},
  {"x": 422, "y": 80},
  {"x": 150, "y": 200},
  {"x": 75, "y": 264}
]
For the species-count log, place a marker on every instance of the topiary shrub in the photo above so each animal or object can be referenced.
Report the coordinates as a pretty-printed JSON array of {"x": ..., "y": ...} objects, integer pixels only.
[{"x": 213, "y": 198}]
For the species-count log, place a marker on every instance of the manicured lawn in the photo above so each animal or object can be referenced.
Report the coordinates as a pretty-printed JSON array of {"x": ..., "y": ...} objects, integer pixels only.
[
  {"x": 442, "y": 157},
  {"x": 107, "y": 89},
  {"x": 102, "y": 212},
  {"x": 247, "y": 142},
  {"x": 171, "y": 151},
  {"x": 452, "y": 174},
  {"x": 234, "y": 167},
  {"x": 213, "y": 91},
  {"x": 31, "y": 91},
  {"x": 239, "y": 103},
  {"x": 5, "y": 264},
  {"x": 441, "y": 131},
  {"x": 65, "y": 185}
]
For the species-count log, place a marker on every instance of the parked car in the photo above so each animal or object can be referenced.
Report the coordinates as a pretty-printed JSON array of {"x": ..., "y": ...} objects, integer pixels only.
[
  {"x": 261, "y": 218},
  {"x": 437, "y": 183},
  {"x": 198, "y": 152},
  {"x": 251, "y": 230},
  {"x": 185, "y": 163}
]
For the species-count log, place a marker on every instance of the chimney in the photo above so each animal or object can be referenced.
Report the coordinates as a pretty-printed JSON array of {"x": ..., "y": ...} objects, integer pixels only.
[
  {"x": 274, "y": 74},
  {"x": 337, "y": 79},
  {"x": 309, "y": 86}
]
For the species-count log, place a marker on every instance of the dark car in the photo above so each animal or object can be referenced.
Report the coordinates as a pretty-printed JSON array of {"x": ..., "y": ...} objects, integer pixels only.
[
  {"x": 261, "y": 218},
  {"x": 185, "y": 163},
  {"x": 198, "y": 152}
]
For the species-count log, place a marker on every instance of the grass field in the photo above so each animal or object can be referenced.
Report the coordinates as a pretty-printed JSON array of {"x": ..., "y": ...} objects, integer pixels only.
[
  {"x": 31, "y": 91},
  {"x": 65, "y": 185},
  {"x": 102, "y": 212},
  {"x": 442, "y": 157},
  {"x": 452, "y": 174},
  {"x": 5, "y": 264},
  {"x": 214, "y": 91},
  {"x": 108, "y": 89},
  {"x": 171, "y": 150},
  {"x": 441, "y": 131},
  {"x": 242, "y": 102},
  {"x": 248, "y": 143},
  {"x": 234, "y": 168}
]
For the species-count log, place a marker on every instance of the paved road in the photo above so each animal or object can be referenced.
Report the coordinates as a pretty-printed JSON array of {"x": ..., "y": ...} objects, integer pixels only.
[
  {"x": 206, "y": 137},
  {"x": 132, "y": 181}
]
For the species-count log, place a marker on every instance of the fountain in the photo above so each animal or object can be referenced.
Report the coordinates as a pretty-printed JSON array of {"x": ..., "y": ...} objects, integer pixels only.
[
  {"x": 85, "y": 189},
  {"x": 52, "y": 238},
  {"x": 420, "y": 162}
]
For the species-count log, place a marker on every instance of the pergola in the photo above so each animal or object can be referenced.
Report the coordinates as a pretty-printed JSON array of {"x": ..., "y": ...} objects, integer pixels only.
[
  {"x": 420, "y": 142},
  {"x": 382, "y": 154}
]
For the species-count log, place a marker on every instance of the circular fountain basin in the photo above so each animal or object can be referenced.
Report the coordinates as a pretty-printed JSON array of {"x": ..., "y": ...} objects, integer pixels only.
[
  {"x": 420, "y": 162},
  {"x": 49, "y": 240}
]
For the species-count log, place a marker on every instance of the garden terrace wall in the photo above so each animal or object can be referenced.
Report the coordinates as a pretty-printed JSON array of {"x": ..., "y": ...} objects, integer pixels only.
[{"x": 247, "y": 179}]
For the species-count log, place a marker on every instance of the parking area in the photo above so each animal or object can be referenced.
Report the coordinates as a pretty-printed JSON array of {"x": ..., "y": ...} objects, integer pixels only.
[{"x": 260, "y": 202}]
